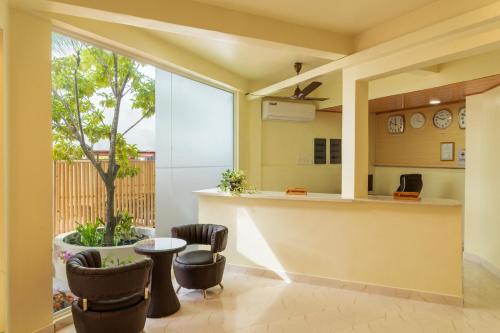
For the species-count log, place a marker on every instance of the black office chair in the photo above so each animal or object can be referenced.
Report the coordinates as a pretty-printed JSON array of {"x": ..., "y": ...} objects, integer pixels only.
[{"x": 410, "y": 183}]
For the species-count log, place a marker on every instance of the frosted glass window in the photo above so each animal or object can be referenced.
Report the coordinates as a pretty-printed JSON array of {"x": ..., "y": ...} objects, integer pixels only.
[
  {"x": 194, "y": 145},
  {"x": 203, "y": 124}
]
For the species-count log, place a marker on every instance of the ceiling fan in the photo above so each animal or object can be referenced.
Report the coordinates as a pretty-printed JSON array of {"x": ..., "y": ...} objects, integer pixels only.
[{"x": 301, "y": 94}]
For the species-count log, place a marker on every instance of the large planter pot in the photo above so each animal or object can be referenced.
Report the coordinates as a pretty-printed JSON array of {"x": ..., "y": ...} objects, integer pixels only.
[{"x": 111, "y": 254}]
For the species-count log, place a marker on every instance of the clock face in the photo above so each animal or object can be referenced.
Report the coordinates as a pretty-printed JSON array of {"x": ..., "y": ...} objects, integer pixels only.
[
  {"x": 461, "y": 118},
  {"x": 396, "y": 124},
  {"x": 417, "y": 120},
  {"x": 442, "y": 119}
]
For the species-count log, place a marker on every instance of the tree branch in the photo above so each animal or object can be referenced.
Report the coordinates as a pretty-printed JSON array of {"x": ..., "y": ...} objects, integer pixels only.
[
  {"x": 124, "y": 85},
  {"x": 68, "y": 110},
  {"x": 115, "y": 62},
  {"x": 114, "y": 124},
  {"x": 89, "y": 153},
  {"x": 77, "y": 98},
  {"x": 128, "y": 90},
  {"x": 134, "y": 124}
]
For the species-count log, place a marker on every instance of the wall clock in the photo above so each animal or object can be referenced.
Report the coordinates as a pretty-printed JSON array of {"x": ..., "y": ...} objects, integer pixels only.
[
  {"x": 417, "y": 120},
  {"x": 396, "y": 124},
  {"x": 442, "y": 119},
  {"x": 461, "y": 118}
]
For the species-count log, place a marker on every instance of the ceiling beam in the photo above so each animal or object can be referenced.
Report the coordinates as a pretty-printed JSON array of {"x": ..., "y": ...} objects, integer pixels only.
[
  {"x": 425, "y": 71},
  {"x": 427, "y": 15},
  {"x": 449, "y": 30},
  {"x": 194, "y": 18},
  {"x": 428, "y": 54},
  {"x": 446, "y": 94},
  {"x": 143, "y": 46}
]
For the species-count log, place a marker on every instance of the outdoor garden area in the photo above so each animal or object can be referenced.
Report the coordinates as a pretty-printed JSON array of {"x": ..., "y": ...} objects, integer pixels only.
[{"x": 103, "y": 107}]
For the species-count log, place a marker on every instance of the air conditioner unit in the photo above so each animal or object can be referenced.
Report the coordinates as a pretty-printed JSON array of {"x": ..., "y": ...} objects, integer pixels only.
[{"x": 288, "y": 111}]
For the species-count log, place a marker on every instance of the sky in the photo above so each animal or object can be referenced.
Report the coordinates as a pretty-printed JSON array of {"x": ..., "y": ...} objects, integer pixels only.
[{"x": 143, "y": 135}]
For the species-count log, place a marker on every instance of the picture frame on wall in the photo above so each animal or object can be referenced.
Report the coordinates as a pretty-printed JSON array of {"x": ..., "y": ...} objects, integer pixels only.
[{"x": 447, "y": 151}]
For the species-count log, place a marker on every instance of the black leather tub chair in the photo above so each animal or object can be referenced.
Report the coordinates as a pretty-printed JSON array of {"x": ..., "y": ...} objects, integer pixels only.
[
  {"x": 112, "y": 299},
  {"x": 201, "y": 269}
]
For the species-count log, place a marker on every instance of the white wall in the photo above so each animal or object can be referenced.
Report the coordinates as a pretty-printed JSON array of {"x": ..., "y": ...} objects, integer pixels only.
[
  {"x": 482, "y": 177},
  {"x": 194, "y": 145}
]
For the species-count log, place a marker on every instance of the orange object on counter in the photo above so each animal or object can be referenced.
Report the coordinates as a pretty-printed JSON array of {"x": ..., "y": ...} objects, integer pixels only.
[
  {"x": 407, "y": 196},
  {"x": 296, "y": 191}
]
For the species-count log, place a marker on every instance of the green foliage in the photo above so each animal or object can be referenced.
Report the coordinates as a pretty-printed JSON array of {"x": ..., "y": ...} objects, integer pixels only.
[
  {"x": 88, "y": 87},
  {"x": 235, "y": 182},
  {"x": 88, "y": 83},
  {"x": 110, "y": 261},
  {"x": 125, "y": 152},
  {"x": 125, "y": 229},
  {"x": 91, "y": 233}
]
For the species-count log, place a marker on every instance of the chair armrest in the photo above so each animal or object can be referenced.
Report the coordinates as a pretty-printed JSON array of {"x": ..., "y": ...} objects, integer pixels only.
[{"x": 218, "y": 240}]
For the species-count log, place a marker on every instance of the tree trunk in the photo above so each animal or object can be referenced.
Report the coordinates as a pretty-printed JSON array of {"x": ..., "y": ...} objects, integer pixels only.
[{"x": 111, "y": 220}]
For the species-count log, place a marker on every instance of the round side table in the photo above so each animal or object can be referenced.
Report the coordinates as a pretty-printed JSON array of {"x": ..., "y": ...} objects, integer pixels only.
[{"x": 164, "y": 301}]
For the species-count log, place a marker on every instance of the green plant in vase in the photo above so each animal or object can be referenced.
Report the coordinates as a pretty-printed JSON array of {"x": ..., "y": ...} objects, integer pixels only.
[
  {"x": 125, "y": 230},
  {"x": 91, "y": 233},
  {"x": 235, "y": 182}
]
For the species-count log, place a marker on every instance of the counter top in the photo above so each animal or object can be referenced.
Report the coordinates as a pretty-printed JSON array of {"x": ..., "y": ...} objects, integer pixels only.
[{"x": 329, "y": 197}]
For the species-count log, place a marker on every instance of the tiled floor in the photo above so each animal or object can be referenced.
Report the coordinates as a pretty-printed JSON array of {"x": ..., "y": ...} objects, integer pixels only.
[{"x": 260, "y": 304}]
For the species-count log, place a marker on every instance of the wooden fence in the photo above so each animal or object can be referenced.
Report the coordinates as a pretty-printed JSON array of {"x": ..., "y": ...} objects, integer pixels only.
[{"x": 80, "y": 195}]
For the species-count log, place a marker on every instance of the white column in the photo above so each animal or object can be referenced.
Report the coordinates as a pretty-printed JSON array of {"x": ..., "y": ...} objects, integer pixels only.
[{"x": 354, "y": 136}]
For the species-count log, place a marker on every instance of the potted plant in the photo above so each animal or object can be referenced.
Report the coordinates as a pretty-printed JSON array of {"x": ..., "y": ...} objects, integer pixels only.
[
  {"x": 91, "y": 235},
  {"x": 235, "y": 182},
  {"x": 89, "y": 85}
]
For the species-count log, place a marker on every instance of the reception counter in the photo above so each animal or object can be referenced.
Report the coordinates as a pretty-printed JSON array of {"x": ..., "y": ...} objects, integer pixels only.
[{"x": 378, "y": 244}]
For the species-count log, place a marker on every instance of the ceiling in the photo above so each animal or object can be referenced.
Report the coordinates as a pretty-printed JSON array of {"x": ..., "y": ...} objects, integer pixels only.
[
  {"x": 261, "y": 63},
  {"x": 250, "y": 61},
  {"x": 348, "y": 17},
  {"x": 446, "y": 94}
]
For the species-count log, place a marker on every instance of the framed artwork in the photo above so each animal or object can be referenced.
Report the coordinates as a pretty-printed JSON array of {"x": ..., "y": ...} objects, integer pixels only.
[{"x": 447, "y": 151}]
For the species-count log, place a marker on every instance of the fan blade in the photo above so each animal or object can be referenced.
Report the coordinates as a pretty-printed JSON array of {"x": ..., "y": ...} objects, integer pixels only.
[
  {"x": 309, "y": 89},
  {"x": 320, "y": 99},
  {"x": 280, "y": 97}
]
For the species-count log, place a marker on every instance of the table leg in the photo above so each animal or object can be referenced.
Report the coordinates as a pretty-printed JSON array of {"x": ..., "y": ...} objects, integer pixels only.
[{"x": 164, "y": 301}]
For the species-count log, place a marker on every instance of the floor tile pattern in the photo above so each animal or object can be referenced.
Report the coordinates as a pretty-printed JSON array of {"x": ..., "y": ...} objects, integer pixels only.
[{"x": 260, "y": 304}]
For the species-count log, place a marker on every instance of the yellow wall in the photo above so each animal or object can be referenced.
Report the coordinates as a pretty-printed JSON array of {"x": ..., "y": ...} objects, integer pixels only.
[
  {"x": 3, "y": 257},
  {"x": 28, "y": 173},
  {"x": 254, "y": 152},
  {"x": 400, "y": 245},
  {"x": 285, "y": 142},
  {"x": 282, "y": 142},
  {"x": 438, "y": 183},
  {"x": 482, "y": 211},
  {"x": 28, "y": 144}
]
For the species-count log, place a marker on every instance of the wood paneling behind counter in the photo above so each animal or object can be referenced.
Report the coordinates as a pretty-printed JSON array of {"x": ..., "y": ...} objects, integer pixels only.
[{"x": 418, "y": 147}]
